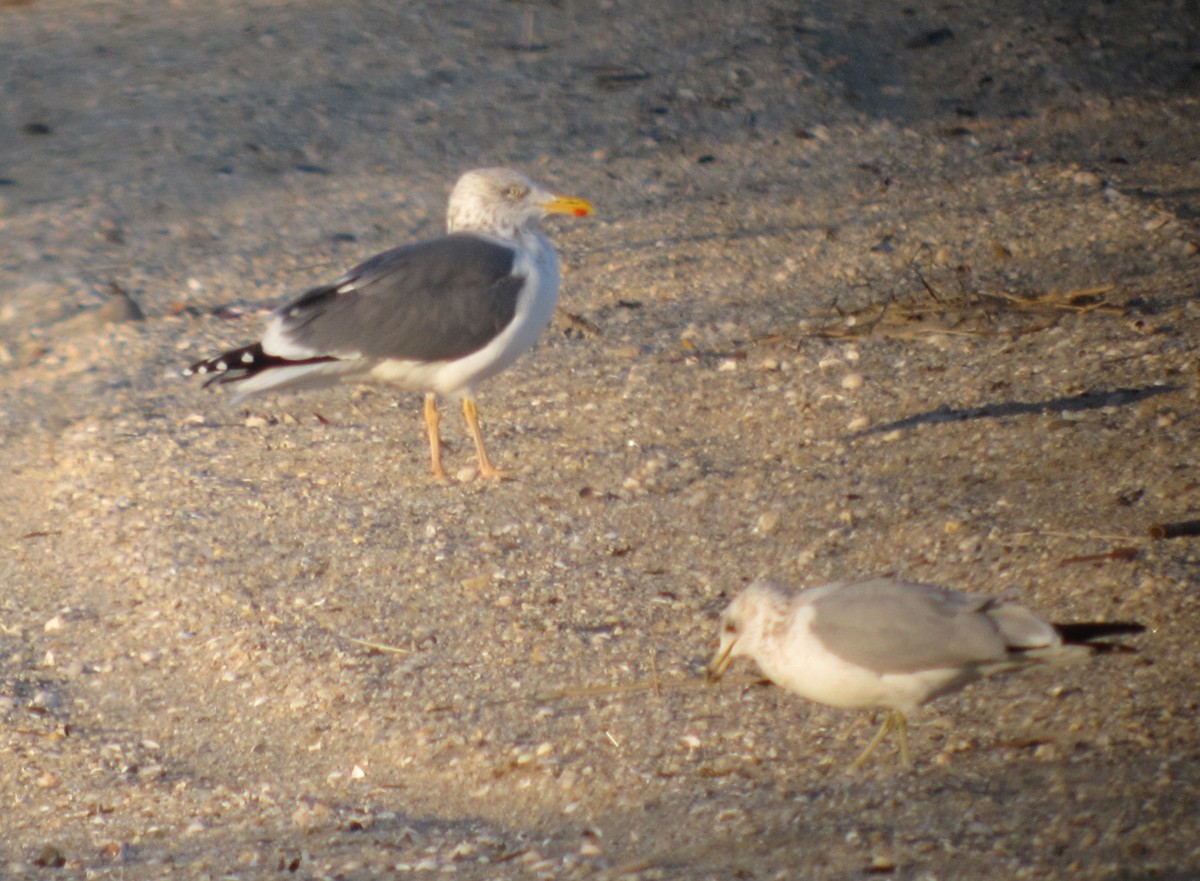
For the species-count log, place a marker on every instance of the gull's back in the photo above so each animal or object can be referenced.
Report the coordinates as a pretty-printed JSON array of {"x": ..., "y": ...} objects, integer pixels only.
[{"x": 892, "y": 626}]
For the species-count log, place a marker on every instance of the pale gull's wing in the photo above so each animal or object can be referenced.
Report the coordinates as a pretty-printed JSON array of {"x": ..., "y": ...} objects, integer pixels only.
[
  {"x": 434, "y": 301},
  {"x": 891, "y": 626}
]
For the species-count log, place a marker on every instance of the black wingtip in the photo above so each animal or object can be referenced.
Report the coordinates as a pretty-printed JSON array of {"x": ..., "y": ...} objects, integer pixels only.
[
  {"x": 238, "y": 364},
  {"x": 230, "y": 366},
  {"x": 1087, "y": 632}
]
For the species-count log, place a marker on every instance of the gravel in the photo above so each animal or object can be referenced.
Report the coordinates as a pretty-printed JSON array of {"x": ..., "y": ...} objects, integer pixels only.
[{"x": 868, "y": 289}]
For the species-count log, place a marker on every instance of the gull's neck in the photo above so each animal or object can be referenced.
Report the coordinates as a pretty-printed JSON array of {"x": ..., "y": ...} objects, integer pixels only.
[{"x": 531, "y": 237}]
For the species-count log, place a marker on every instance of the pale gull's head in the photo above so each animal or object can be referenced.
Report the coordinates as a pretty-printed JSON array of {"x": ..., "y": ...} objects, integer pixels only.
[
  {"x": 503, "y": 202},
  {"x": 758, "y": 611}
]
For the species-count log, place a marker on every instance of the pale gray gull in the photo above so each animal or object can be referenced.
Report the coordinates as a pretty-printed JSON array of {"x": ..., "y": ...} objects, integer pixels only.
[
  {"x": 438, "y": 316},
  {"x": 887, "y": 643}
]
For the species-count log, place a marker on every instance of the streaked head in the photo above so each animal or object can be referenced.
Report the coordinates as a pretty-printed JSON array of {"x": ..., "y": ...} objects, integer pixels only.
[
  {"x": 760, "y": 608},
  {"x": 501, "y": 201}
]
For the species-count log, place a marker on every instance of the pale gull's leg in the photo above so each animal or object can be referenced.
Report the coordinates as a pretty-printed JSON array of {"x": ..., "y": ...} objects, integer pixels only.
[
  {"x": 901, "y": 726},
  {"x": 432, "y": 419},
  {"x": 487, "y": 471},
  {"x": 893, "y": 721}
]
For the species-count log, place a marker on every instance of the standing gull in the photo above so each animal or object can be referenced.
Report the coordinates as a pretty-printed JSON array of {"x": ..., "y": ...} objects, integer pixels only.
[
  {"x": 438, "y": 316},
  {"x": 883, "y": 642}
]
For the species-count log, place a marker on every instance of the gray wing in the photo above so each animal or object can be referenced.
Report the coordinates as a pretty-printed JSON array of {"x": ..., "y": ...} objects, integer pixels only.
[
  {"x": 433, "y": 301},
  {"x": 892, "y": 626}
]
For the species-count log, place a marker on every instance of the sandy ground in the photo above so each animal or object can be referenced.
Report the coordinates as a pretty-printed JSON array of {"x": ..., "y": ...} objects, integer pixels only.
[{"x": 870, "y": 287}]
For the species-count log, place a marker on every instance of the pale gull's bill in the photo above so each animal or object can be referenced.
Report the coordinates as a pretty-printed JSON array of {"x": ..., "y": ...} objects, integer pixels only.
[
  {"x": 891, "y": 644},
  {"x": 438, "y": 316}
]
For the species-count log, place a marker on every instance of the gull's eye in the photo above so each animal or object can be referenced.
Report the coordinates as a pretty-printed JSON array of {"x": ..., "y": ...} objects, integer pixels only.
[{"x": 515, "y": 192}]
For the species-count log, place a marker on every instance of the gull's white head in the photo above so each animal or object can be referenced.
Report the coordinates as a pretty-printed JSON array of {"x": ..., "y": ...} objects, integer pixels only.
[
  {"x": 758, "y": 611},
  {"x": 503, "y": 202}
]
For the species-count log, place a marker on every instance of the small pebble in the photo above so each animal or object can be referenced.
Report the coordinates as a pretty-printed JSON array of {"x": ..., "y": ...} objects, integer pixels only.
[
  {"x": 590, "y": 847},
  {"x": 50, "y": 857},
  {"x": 310, "y": 814},
  {"x": 116, "y": 851},
  {"x": 768, "y": 522},
  {"x": 44, "y": 699},
  {"x": 120, "y": 308}
]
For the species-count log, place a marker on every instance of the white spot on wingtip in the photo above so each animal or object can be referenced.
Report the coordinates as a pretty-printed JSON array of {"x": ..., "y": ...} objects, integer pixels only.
[
  {"x": 220, "y": 367},
  {"x": 247, "y": 358}
]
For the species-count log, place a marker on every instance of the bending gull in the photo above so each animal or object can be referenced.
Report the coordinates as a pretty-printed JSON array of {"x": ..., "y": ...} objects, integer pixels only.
[
  {"x": 884, "y": 642},
  {"x": 438, "y": 316}
]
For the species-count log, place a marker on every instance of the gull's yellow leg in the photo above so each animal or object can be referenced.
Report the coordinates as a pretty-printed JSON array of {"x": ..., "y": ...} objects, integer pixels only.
[
  {"x": 875, "y": 741},
  {"x": 432, "y": 420},
  {"x": 487, "y": 471},
  {"x": 893, "y": 721}
]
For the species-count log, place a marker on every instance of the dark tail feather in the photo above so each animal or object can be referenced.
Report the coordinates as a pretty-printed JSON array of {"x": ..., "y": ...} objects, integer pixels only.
[
  {"x": 242, "y": 363},
  {"x": 1087, "y": 632}
]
